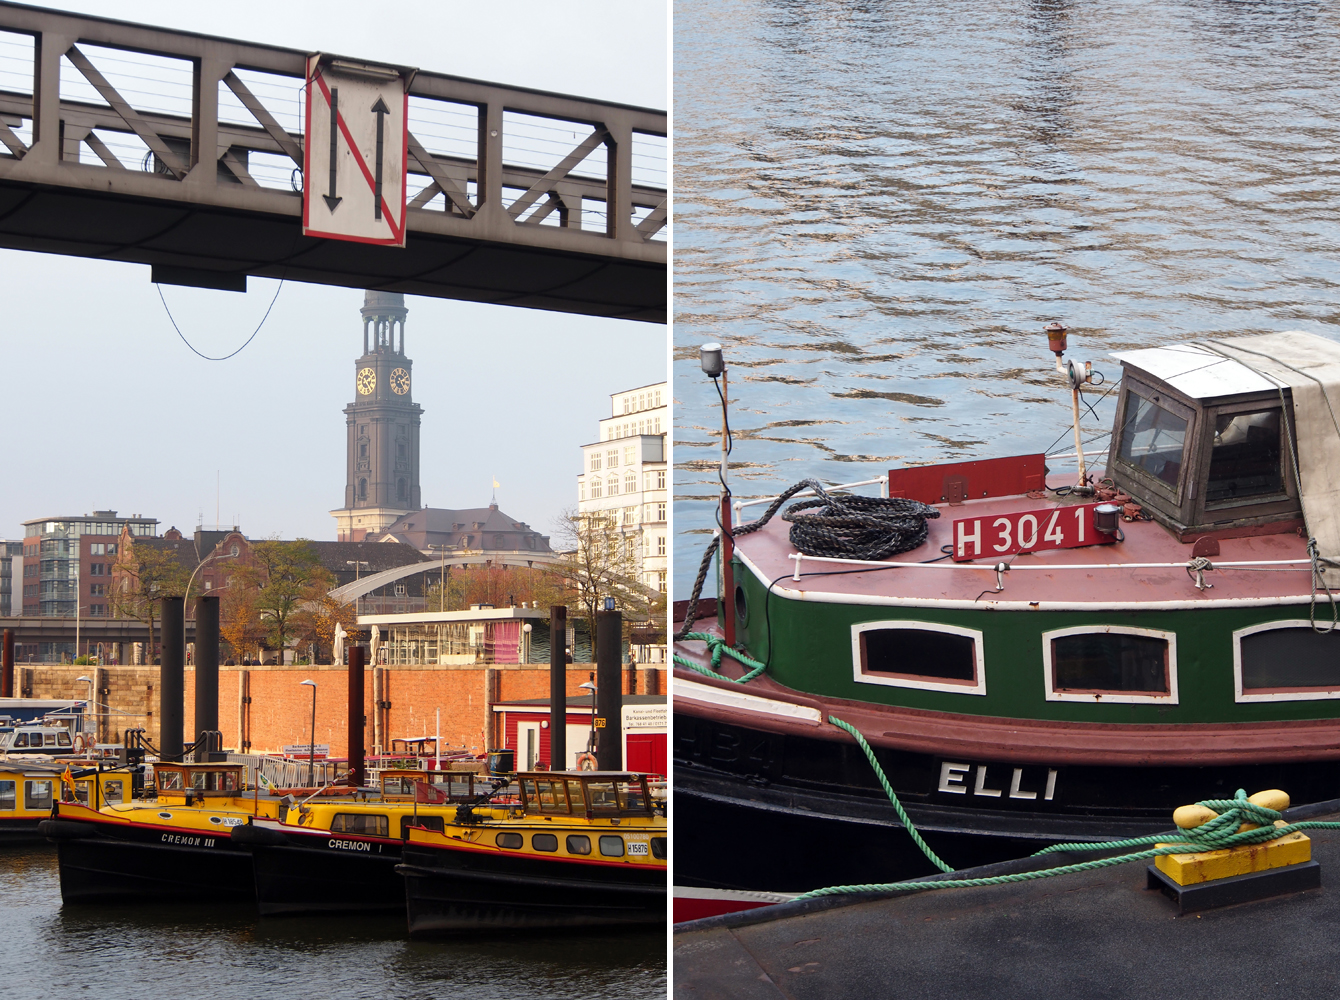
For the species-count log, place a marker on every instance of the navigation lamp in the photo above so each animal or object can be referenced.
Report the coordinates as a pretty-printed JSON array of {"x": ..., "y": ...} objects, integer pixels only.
[
  {"x": 1055, "y": 337},
  {"x": 711, "y": 360},
  {"x": 1106, "y": 517}
]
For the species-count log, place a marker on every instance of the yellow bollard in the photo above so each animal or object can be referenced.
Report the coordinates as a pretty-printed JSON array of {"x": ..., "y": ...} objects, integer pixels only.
[{"x": 1206, "y": 866}]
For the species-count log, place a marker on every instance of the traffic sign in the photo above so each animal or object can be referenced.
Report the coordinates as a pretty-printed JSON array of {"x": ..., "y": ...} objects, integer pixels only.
[{"x": 357, "y": 151}]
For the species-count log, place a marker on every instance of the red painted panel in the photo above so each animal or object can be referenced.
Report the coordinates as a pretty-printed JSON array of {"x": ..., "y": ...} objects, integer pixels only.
[
  {"x": 987, "y": 477},
  {"x": 646, "y": 753},
  {"x": 1027, "y": 531}
]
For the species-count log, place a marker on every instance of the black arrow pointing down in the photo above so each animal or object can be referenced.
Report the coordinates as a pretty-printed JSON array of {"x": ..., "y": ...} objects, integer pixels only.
[{"x": 332, "y": 201}]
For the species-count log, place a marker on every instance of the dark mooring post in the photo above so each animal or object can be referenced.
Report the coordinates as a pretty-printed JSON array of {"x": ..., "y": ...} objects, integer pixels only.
[
  {"x": 7, "y": 659},
  {"x": 609, "y": 690},
  {"x": 558, "y": 688},
  {"x": 171, "y": 679},
  {"x": 206, "y": 669},
  {"x": 357, "y": 719}
]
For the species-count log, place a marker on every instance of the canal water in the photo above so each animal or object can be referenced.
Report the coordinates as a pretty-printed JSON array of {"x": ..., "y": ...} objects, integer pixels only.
[
  {"x": 192, "y": 953},
  {"x": 879, "y": 204}
]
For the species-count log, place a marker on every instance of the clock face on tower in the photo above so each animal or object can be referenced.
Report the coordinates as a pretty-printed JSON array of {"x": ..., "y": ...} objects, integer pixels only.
[
  {"x": 367, "y": 381},
  {"x": 400, "y": 381}
]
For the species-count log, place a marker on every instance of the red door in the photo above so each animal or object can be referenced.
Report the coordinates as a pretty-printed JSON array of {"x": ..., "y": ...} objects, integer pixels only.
[{"x": 646, "y": 753}]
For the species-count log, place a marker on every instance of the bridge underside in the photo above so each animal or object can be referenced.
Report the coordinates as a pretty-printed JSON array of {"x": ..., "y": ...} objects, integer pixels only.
[{"x": 203, "y": 245}]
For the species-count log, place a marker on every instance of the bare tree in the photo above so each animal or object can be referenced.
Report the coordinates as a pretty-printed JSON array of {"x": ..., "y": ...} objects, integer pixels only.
[
  {"x": 144, "y": 576},
  {"x": 601, "y": 562}
]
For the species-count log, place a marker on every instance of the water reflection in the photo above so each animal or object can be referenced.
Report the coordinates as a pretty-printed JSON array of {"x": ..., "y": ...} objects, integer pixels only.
[
  {"x": 209, "y": 951},
  {"x": 878, "y": 205}
]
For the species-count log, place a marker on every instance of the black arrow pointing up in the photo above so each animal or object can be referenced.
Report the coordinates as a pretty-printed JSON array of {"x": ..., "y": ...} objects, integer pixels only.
[
  {"x": 381, "y": 111},
  {"x": 333, "y": 202}
]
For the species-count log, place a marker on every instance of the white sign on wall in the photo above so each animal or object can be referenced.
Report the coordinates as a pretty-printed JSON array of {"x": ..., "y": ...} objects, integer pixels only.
[
  {"x": 644, "y": 718},
  {"x": 356, "y": 153}
]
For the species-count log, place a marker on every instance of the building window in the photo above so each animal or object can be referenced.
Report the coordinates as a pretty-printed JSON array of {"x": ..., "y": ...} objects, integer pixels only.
[
  {"x": 660, "y": 581},
  {"x": 660, "y": 511},
  {"x": 400, "y": 590},
  {"x": 581, "y": 489},
  {"x": 660, "y": 479},
  {"x": 630, "y": 455},
  {"x": 629, "y": 516},
  {"x": 612, "y": 486},
  {"x": 612, "y": 458},
  {"x": 912, "y": 654},
  {"x": 658, "y": 397},
  {"x": 402, "y": 490},
  {"x": 362, "y": 449},
  {"x": 629, "y": 482},
  {"x": 658, "y": 426},
  {"x": 1286, "y": 661},
  {"x": 362, "y": 489},
  {"x": 660, "y": 545},
  {"x": 595, "y": 488},
  {"x": 595, "y": 461},
  {"x": 1110, "y": 663}
]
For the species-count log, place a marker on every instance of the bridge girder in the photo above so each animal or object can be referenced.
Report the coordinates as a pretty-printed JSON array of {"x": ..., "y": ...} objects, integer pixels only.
[{"x": 199, "y": 216}]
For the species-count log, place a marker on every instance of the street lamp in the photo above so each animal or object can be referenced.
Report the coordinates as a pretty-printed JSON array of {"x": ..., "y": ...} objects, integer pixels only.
[
  {"x": 90, "y": 706},
  {"x": 311, "y": 749},
  {"x": 591, "y": 686}
]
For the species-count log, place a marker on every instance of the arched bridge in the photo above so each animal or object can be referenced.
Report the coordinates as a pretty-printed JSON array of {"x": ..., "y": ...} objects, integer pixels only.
[{"x": 184, "y": 152}]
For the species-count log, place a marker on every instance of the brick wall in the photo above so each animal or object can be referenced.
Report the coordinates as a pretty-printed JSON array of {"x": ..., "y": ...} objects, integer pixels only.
[{"x": 280, "y": 709}]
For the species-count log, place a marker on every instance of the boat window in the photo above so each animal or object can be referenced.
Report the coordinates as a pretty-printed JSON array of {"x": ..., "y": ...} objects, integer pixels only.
[
  {"x": 81, "y": 790},
  {"x": 112, "y": 793},
  {"x": 1284, "y": 661},
  {"x": 575, "y": 795},
  {"x": 63, "y": 739},
  {"x": 1110, "y": 663},
  {"x": 919, "y": 654},
  {"x": 630, "y": 795},
  {"x": 611, "y": 846},
  {"x": 1245, "y": 458},
  {"x": 1152, "y": 439},
  {"x": 37, "y": 795},
  {"x": 579, "y": 843},
  {"x": 169, "y": 781},
  {"x": 364, "y": 823},
  {"x": 510, "y": 841},
  {"x": 603, "y": 795},
  {"x": 423, "y": 822},
  {"x": 546, "y": 795},
  {"x": 198, "y": 779},
  {"x": 21, "y": 740},
  {"x": 398, "y": 786},
  {"x": 658, "y": 848},
  {"x": 544, "y": 842},
  {"x": 8, "y": 795},
  {"x": 532, "y": 799}
]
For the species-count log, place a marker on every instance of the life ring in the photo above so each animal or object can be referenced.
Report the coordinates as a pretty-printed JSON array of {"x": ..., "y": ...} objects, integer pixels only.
[
  {"x": 586, "y": 762},
  {"x": 80, "y": 743}
]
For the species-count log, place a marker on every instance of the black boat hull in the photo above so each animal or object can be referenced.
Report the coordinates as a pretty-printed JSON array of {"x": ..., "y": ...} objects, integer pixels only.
[
  {"x": 814, "y": 815},
  {"x": 97, "y": 868},
  {"x": 302, "y": 874},
  {"x": 17, "y": 832},
  {"x": 452, "y": 892}
]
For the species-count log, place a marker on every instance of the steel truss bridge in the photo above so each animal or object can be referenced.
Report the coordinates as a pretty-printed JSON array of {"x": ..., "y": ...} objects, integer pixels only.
[{"x": 184, "y": 152}]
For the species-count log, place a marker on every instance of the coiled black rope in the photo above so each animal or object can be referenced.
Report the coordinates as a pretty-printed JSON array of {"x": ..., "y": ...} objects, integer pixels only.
[{"x": 840, "y": 527}]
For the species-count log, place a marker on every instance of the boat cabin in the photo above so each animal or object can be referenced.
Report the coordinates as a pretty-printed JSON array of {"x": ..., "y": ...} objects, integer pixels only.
[
  {"x": 197, "y": 782},
  {"x": 104, "y": 788},
  {"x": 456, "y": 786},
  {"x": 36, "y": 738},
  {"x": 593, "y": 794},
  {"x": 1205, "y": 443}
]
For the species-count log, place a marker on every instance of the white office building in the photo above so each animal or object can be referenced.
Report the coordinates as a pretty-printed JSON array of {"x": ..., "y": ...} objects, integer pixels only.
[{"x": 624, "y": 473}]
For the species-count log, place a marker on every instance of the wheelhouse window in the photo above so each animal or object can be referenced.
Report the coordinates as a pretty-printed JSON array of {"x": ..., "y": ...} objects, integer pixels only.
[
  {"x": 1153, "y": 439},
  {"x": 37, "y": 795},
  {"x": 1245, "y": 457},
  {"x": 8, "y": 797},
  {"x": 1110, "y": 664},
  {"x": 367, "y": 824},
  {"x": 1286, "y": 661},
  {"x": 923, "y": 655}
]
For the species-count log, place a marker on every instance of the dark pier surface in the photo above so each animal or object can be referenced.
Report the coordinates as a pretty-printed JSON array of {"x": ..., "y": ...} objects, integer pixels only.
[{"x": 1090, "y": 935}]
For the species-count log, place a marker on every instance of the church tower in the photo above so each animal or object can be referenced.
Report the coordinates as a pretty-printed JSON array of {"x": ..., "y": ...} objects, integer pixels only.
[{"x": 382, "y": 459}]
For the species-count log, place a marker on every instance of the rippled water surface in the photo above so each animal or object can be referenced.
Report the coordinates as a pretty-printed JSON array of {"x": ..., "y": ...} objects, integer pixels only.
[
  {"x": 184, "y": 953},
  {"x": 878, "y": 206}
]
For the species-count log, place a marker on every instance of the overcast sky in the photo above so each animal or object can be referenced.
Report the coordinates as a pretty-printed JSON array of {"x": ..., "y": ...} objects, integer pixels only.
[{"x": 106, "y": 408}]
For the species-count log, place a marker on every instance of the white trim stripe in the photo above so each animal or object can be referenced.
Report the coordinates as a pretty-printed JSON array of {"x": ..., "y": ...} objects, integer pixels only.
[{"x": 723, "y": 698}]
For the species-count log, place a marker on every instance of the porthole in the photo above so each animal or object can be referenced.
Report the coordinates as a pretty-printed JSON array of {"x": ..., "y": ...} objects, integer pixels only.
[
  {"x": 510, "y": 841},
  {"x": 741, "y": 605}
]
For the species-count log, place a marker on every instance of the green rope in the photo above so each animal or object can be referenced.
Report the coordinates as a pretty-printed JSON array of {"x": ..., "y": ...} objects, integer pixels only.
[
  {"x": 718, "y": 648},
  {"x": 1216, "y": 834},
  {"x": 893, "y": 797}
]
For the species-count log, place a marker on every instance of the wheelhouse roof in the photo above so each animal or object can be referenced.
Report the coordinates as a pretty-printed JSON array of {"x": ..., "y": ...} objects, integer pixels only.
[{"x": 1196, "y": 371}]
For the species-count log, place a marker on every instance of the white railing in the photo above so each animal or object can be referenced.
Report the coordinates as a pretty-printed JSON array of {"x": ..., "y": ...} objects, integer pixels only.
[
  {"x": 1303, "y": 565},
  {"x": 882, "y": 482}
]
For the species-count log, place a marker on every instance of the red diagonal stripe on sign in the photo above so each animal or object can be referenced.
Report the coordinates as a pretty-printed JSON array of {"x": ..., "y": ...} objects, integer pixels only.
[{"x": 358, "y": 158}]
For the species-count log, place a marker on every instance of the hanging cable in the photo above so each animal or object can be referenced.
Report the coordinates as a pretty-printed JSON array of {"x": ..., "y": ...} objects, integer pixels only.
[{"x": 226, "y": 356}]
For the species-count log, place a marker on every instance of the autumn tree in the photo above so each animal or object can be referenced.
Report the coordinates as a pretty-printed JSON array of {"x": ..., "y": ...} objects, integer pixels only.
[
  {"x": 146, "y": 575},
  {"x": 602, "y": 562},
  {"x": 239, "y": 621},
  {"x": 281, "y": 577},
  {"x": 320, "y": 615}
]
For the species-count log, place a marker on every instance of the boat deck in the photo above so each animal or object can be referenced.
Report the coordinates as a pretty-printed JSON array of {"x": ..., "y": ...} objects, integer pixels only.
[
  {"x": 1148, "y": 568},
  {"x": 1084, "y": 935}
]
